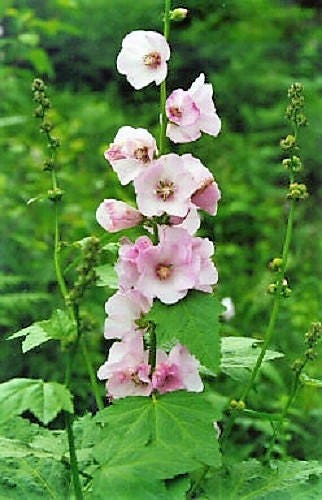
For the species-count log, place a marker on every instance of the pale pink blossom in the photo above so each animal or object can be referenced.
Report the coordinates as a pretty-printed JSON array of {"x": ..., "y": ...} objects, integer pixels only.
[
  {"x": 191, "y": 112},
  {"x": 203, "y": 250},
  {"x": 175, "y": 371},
  {"x": 191, "y": 222},
  {"x": 131, "y": 152},
  {"x": 143, "y": 58},
  {"x": 114, "y": 215},
  {"x": 126, "y": 266},
  {"x": 168, "y": 270},
  {"x": 127, "y": 369},
  {"x": 123, "y": 309},
  {"x": 207, "y": 194},
  {"x": 165, "y": 187}
]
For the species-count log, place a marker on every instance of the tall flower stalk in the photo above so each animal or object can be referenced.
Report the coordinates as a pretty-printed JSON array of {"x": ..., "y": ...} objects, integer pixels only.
[{"x": 280, "y": 288}]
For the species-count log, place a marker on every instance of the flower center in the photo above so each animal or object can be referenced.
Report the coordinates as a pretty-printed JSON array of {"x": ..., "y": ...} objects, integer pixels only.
[
  {"x": 165, "y": 189},
  {"x": 175, "y": 112},
  {"x": 142, "y": 154},
  {"x": 152, "y": 60},
  {"x": 163, "y": 271}
]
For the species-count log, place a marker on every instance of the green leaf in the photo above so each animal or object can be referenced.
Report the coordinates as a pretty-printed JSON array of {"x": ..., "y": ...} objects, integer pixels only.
[
  {"x": 146, "y": 440},
  {"x": 59, "y": 327},
  {"x": 242, "y": 352},
  {"x": 44, "y": 399},
  {"x": 31, "y": 461},
  {"x": 194, "y": 322},
  {"x": 174, "y": 421},
  {"x": 311, "y": 382},
  {"x": 252, "y": 480},
  {"x": 107, "y": 276}
]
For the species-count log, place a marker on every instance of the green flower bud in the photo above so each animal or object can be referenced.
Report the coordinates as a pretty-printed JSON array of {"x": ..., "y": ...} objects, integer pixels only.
[
  {"x": 178, "y": 14},
  {"x": 297, "y": 365},
  {"x": 276, "y": 264},
  {"x": 288, "y": 142},
  {"x": 38, "y": 84},
  {"x": 48, "y": 165},
  {"x": 271, "y": 289},
  {"x": 55, "y": 194},
  {"x": 297, "y": 191}
]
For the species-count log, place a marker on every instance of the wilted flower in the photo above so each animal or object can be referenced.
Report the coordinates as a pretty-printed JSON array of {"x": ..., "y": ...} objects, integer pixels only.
[
  {"x": 143, "y": 58},
  {"x": 191, "y": 112}
]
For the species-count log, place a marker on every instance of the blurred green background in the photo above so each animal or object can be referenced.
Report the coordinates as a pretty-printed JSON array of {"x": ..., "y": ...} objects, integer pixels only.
[{"x": 251, "y": 52}]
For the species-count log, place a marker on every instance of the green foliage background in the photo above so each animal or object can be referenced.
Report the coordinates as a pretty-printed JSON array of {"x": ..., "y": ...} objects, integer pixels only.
[{"x": 251, "y": 52}]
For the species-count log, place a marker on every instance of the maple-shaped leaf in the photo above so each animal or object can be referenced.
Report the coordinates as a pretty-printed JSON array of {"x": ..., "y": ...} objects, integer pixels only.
[
  {"x": 44, "y": 399},
  {"x": 194, "y": 322}
]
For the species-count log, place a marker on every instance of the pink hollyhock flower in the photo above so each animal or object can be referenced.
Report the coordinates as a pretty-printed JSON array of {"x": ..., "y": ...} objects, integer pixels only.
[
  {"x": 126, "y": 266},
  {"x": 127, "y": 370},
  {"x": 191, "y": 222},
  {"x": 165, "y": 187},
  {"x": 143, "y": 58},
  {"x": 207, "y": 194},
  {"x": 168, "y": 270},
  {"x": 191, "y": 112},
  {"x": 175, "y": 371},
  {"x": 114, "y": 215},
  {"x": 131, "y": 152},
  {"x": 203, "y": 249},
  {"x": 123, "y": 308}
]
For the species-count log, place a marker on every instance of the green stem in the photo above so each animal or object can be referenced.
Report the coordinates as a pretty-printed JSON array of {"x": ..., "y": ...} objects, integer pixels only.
[
  {"x": 280, "y": 422},
  {"x": 272, "y": 320},
  {"x": 153, "y": 347},
  {"x": 73, "y": 457},
  {"x": 92, "y": 376},
  {"x": 163, "y": 86},
  {"x": 276, "y": 303}
]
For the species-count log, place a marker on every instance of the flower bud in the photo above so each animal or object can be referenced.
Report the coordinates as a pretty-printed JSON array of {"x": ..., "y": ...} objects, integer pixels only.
[
  {"x": 288, "y": 142},
  {"x": 271, "y": 289},
  {"x": 55, "y": 194},
  {"x": 297, "y": 191},
  {"x": 48, "y": 165},
  {"x": 276, "y": 264},
  {"x": 38, "y": 84},
  {"x": 178, "y": 14}
]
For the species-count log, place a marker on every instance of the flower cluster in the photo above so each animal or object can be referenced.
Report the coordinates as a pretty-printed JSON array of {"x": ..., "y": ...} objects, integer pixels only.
[{"x": 170, "y": 191}]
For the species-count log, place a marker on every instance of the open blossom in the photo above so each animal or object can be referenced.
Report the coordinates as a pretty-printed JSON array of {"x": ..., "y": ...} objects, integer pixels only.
[
  {"x": 126, "y": 266},
  {"x": 131, "y": 152},
  {"x": 191, "y": 222},
  {"x": 203, "y": 249},
  {"x": 207, "y": 194},
  {"x": 127, "y": 370},
  {"x": 143, "y": 58},
  {"x": 167, "y": 271},
  {"x": 175, "y": 371},
  {"x": 114, "y": 215},
  {"x": 165, "y": 187},
  {"x": 123, "y": 308},
  {"x": 191, "y": 112}
]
